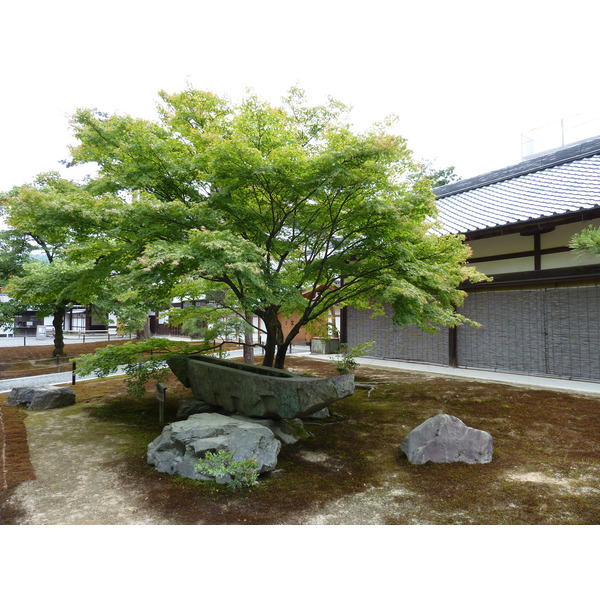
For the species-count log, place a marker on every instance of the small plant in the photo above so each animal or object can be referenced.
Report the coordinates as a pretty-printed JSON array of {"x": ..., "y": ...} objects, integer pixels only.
[
  {"x": 235, "y": 473},
  {"x": 346, "y": 363}
]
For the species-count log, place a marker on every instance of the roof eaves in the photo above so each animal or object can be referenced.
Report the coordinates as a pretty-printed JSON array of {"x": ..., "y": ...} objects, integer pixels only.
[
  {"x": 583, "y": 215},
  {"x": 551, "y": 159}
]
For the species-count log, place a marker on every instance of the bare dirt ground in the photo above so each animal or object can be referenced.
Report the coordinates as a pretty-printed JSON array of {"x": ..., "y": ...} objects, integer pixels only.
[{"x": 89, "y": 461}]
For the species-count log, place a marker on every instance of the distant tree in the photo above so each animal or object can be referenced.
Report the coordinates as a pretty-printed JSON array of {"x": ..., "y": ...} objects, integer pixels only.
[
  {"x": 283, "y": 207},
  {"x": 15, "y": 251},
  {"x": 443, "y": 177},
  {"x": 44, "y": 218},
  {"x": 435, "y": 177}
]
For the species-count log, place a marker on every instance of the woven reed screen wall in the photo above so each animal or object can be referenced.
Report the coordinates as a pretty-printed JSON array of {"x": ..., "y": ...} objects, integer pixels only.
[
  {"x": 406, "y": 343},
  {"x": 573, "y": 325},
  {"x": 550, "y": 331},
  {"x": 511, "y": 337}
]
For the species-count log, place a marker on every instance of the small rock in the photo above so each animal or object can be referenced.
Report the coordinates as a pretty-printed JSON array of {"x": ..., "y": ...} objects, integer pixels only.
[
  {"x": 193, "y": 407},
  {"x": 444, "y": 439},
  {"x": 320, "y": 414},
  {"x": 41, "y": 397}
]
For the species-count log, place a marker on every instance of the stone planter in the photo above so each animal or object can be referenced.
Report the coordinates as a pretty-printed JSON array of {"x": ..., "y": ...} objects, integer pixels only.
[
  {"x": 258, "y": 391},
  {"x": 320, "y": 345}
]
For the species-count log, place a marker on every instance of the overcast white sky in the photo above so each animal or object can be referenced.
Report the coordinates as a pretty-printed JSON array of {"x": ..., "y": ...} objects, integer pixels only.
[{"x": 465, "y": 78}]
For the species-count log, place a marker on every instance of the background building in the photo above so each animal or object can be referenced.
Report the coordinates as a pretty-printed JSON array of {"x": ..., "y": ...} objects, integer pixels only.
[{"x": 541, "y": 313}]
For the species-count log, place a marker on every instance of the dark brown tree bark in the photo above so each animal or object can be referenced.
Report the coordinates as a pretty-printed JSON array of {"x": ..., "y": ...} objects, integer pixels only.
[
  {"x": 274, "y": 334},
  {"x": 248, "y": 342},
  {"x": 59, "y": 339},
  {"x": 281, "y": 354}
]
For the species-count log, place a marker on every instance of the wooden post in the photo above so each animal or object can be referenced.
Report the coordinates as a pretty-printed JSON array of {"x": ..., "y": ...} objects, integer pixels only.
[
  {"x": 537, "y": 251},
  {"x": 344, "y": 325},
  {"x": 161, "y": 396},
  {"x": 74, "y": 368},
  {"x": 452, "y": 347}
]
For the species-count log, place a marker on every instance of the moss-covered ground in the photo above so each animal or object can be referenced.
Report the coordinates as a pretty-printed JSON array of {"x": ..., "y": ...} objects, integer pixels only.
[{"x": 545, "y": 470}]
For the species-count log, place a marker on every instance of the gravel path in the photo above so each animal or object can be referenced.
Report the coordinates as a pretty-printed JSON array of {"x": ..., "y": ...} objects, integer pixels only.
[{"x": 77, "y": 479}]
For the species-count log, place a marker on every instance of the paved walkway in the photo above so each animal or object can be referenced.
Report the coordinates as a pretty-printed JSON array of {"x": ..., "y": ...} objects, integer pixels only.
[
  {"x": 551, "y": 383},
  {"x": 534, "y": 381},
  {"x": 11, "y": 342}
]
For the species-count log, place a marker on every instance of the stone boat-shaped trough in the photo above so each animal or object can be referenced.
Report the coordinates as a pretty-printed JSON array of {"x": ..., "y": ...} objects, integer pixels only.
[{"x": 258, "y": 391}]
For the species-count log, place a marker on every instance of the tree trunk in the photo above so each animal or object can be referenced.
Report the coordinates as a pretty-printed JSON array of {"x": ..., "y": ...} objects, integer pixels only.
[
  {"x": 59, "y": 340},
  {"x": 248, "y": 349},
  {"x": 270, "y": 348},
  {"x": 248, "y": 342},
  {"x": 284, "y": 345},
  {"x": 144, "y": 334},
  {"x": 274, "y": 335},
  {"x": 281, "y": 354}
]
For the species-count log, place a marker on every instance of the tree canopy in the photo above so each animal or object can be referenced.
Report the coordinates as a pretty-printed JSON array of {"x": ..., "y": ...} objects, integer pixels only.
[
  {"x": 44, "y": 219},
  {"x": 276, "y": 210}
]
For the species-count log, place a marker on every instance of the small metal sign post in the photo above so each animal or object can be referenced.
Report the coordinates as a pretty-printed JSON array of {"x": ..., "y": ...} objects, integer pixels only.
[
  {"x": 161, "y": 396},
  {"x": 40, "y": 333}
]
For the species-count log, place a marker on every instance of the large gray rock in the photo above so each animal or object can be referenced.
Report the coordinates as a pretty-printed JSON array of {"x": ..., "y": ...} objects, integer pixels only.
[
  {"x": 182, "y": 444},
  {"x": 41, "y": 397},
  {"x": 444, "y": 439}
]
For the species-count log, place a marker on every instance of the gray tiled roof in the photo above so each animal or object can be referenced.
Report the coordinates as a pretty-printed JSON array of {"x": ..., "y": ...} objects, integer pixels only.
[{"x": 558, "y": 183}]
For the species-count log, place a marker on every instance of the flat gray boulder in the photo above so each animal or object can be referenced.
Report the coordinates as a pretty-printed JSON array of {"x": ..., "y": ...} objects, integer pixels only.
[
  {"x": 289, "y": 431},
  {"x": 41, "y": 397},
  {"x": 182, "y": 444},
  {"x": 444, "y": 439}
]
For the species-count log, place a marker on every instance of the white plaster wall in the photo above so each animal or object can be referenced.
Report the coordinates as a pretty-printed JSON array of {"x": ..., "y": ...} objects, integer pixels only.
[
  {"x": 560, "y": 237},
  {"x": 501, "y": 245},
  {"x": 568, "y": 259},
  {"x": 512, "y": 265}
]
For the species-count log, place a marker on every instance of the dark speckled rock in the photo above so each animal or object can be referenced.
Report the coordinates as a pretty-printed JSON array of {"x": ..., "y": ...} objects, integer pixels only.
[{"x": 41, "y": 397}]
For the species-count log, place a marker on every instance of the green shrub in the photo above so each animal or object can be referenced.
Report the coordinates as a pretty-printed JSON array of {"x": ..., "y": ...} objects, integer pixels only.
[
  {"x": 346, "y": 363},
  {"x": 242, "y": 473}
]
